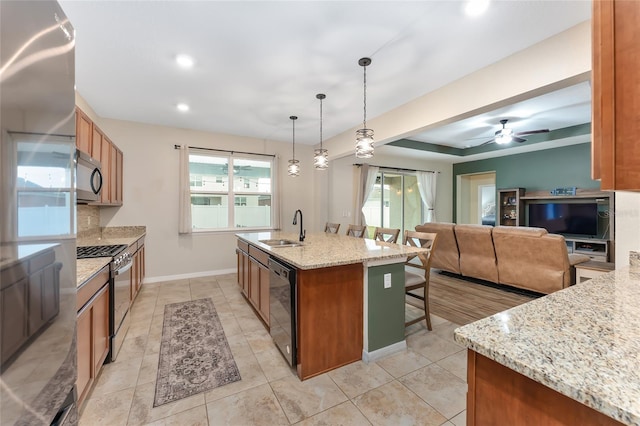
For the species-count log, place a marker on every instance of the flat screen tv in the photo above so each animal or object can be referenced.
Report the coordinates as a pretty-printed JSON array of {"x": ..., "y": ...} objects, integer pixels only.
[{"x": 565, "y": 218}]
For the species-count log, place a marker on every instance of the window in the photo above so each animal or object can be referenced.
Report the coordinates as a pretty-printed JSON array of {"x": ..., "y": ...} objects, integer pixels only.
[
  {"x": 394, "y": 202},
  {"x": 230, "y": 191},
  {"x": 44, "y": 188}
]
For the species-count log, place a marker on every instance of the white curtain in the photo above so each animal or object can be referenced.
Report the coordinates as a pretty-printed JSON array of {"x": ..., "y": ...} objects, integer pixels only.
[
  {"x": 365, "y": 186},
  {"x": 275, "y": 192},
  {"x": 184, "y": 225},
  {"x": 427, "y": 188}
]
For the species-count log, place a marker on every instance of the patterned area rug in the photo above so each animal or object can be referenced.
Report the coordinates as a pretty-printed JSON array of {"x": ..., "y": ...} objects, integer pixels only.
[{"x": 194, "y": 353}]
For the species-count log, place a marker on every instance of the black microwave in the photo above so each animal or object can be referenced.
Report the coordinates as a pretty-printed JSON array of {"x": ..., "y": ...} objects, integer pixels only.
[{"x": 88, "y": 178}]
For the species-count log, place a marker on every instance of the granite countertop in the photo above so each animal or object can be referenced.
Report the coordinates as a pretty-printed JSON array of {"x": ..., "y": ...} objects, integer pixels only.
[
  {"x": 321, "y": 250},
  {"x": 111, "y": 236},
  {"x": 582, "y": 341},
  {"x": 86, "y": 268},
  {"x": 17, "y": 252}
]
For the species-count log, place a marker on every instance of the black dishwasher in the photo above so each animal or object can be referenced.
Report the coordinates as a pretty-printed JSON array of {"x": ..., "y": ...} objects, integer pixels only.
[{"x": 282, "y": 308}]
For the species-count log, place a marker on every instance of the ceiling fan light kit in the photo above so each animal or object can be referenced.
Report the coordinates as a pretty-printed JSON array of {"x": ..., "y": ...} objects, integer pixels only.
[
  {"x": 364, "y": 136},
  {"x": 506, "y": 135}
]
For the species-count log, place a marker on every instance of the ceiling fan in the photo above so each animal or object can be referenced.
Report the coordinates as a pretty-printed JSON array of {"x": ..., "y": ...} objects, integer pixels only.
[{"x": 506, "y": 135}]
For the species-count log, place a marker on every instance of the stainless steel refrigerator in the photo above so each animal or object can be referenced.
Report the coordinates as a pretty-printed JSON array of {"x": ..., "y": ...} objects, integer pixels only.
[{"x": 37, "y": 215}]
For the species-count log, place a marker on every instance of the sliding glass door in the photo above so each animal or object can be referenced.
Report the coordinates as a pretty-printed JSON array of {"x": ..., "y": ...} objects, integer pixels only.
[{"x": 394, "y": 202}]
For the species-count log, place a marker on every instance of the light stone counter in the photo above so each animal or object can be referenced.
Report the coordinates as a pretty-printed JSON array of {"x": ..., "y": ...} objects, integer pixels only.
[
  {"x": 322, "y": 250},
  {"x": 86, "y": 268},
  {"x": 583, "y": 341},
  {"x": 111, "y": 236},
  {"x": 12, "y": 253}
]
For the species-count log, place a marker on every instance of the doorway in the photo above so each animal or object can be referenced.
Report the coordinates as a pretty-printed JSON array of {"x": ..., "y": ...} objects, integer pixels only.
[{"x": 476, "y": 198}]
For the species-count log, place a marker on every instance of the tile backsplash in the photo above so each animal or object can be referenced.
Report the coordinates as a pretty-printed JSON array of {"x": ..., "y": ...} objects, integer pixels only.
[{"x": 88, "y": 218}]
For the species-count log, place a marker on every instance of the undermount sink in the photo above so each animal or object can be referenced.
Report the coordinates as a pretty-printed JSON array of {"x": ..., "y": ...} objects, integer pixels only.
[{"x": 281, "y": 243}]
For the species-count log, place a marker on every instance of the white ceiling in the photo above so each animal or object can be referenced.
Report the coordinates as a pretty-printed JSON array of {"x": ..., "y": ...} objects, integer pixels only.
[{"x": 259, "y": 62}]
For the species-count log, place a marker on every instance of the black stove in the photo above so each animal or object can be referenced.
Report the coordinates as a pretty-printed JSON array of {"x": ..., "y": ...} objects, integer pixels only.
[{"x": 99, "y": 251}]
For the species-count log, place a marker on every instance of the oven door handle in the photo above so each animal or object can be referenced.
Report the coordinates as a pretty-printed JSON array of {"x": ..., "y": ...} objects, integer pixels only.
[{"x": 123, "y": 270}]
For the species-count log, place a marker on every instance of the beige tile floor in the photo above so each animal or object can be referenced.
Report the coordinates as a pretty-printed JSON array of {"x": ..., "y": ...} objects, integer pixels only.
[{"x": 424, "y": 385}]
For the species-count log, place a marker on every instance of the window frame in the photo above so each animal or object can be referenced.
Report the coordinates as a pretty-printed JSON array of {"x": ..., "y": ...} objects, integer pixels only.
[{"x": 231, "y": 193}]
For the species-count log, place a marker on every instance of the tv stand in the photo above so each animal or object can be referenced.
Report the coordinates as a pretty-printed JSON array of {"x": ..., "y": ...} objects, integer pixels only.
[{"x": 596, "y": 249}]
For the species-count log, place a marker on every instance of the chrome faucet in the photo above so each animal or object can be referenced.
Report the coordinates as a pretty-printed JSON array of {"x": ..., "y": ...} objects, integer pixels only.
[{"x": 295, "y": 222}]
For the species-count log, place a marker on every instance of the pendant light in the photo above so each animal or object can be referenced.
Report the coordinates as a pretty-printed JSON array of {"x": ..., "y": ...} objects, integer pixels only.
[
  {"x": 364, "y": 136},
  {"x": 294, "y": 165},
  {"x": 321, "y": 156}
]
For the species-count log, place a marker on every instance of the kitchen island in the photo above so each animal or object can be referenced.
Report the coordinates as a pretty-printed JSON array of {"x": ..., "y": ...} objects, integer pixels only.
[
  {"x": 344, "y": 312},
  {"x": 571, "y": 357}
]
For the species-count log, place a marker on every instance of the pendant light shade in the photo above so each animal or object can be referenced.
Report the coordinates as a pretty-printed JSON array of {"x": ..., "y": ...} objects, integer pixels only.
[
  {"x": 364, "y": 136},
  {"x": 321, "y": 156},
  {"x": 294, "y": 165}
]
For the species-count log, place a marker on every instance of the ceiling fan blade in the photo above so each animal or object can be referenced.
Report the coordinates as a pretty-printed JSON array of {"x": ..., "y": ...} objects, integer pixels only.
[
  {"x": 485, "y": 143},
  {"x": 531, "y": 132},
  {"x": 517, "y": 139}
]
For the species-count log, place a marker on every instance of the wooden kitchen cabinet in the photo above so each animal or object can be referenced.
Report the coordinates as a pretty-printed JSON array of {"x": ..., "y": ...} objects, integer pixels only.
[
  {"x": 92, "y": 330},
  {"x": 242, "y": 254},
  {"x": 137, "y": 274},
  {"x": 14, "y": 322},
  {"x": 29, "y": 299},
  {"x": 44, "y": 297},
  {"x": 84, "y": 128},
  {"x": 92, "y": 140},
  {"x": 105, "y": 162},
  {"x": 259, "y": 282},
  {"x": 615, "y": 87}
]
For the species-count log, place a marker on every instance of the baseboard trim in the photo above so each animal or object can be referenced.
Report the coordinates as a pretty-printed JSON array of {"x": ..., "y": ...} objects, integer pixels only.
[
  {"x": 382, "y": 352},
  {"x": 149, "y": 280}
]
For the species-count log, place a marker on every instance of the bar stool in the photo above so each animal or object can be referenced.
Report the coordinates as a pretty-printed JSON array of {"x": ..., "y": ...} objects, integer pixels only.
[
  {"x": 331, "y": 228},
  {"x": 357, "y": 231},
  {"x": 415, "y": 281},
  {"x": 389, "y": 235}
]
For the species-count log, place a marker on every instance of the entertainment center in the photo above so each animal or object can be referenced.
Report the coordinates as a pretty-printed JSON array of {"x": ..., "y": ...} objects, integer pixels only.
[{"x": 584, "y": 219}]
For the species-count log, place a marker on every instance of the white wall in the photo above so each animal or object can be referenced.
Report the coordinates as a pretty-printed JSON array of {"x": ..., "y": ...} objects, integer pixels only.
[
  {"x": 151, "y": 194},
  {"x": 627, "y": 225},
  {"x": 343, "y": 177}
]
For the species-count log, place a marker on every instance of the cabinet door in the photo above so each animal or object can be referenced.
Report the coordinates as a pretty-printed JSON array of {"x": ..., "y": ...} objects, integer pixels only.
[
  {"x": 254, "y": 283},
  {"x": 615, "y": 90},
  {"x": 100, "y": 322},
  {"x": 105, "y": 162},
  {"x": 84, "y": 131},
  {"x": 119, "y": 174},
  {"x": 96, "y": 143},
  {"x": 14, "y": 317},
  {"x": 264, "y": 293},
  {"x": 85, "y": 355},
  {"x": 113, "y": 175}
]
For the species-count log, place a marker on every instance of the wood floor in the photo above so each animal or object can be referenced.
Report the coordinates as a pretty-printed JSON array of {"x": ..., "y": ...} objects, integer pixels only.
[{"x": 462, "y": 302}]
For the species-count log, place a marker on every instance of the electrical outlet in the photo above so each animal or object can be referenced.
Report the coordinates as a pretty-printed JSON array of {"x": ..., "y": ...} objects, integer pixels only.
[{"x": 387, "y": 280}]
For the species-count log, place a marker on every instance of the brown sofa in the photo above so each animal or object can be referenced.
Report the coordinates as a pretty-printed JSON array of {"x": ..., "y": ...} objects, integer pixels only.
[
  {"x": 477, "y": 255},
  {"x": 523, "y": 257},
  {"x": 447, "y": 256}
]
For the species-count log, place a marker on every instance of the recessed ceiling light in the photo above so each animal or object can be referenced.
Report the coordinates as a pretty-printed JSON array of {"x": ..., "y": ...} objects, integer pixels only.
[
  {"x": 182, "y": 107},
  {"x": 476, "y": 7},
  {"x": 185, "y": 61}
]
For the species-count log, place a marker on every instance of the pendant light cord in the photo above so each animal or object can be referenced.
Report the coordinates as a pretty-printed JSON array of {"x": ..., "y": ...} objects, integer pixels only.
[
  {"x": 293, "y": 120},
  {"x": 364, "y": 123},
  {"x": 321, "y": 123}
]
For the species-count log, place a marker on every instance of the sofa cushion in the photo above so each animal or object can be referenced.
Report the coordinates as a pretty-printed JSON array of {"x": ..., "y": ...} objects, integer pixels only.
[
  {"x": 446, "y": 256},
  {"x": 477, "y": 255},
  {"x": 532, "y": 259}
]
